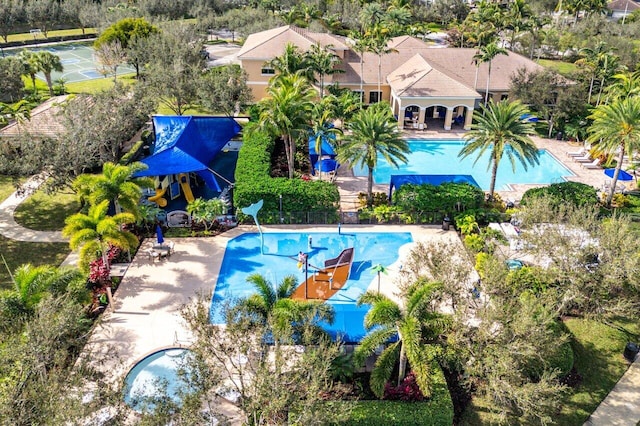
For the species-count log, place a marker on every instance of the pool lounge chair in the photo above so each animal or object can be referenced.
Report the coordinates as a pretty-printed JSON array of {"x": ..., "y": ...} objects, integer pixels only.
[
  {"x": 594, "y": 165},
  {"x": 579, "y": 153},
  {"x": 584, "y": 159}
]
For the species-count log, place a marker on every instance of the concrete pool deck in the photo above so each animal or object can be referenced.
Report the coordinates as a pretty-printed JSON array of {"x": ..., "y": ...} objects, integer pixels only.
[{"x": 146, "y": 313}]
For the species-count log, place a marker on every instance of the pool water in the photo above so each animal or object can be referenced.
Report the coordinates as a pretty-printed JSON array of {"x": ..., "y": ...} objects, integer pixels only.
[
  {"x": 147, "y": 378},
  {"x": 243, "y": 257},
  {"x": 431, "y": 157}
]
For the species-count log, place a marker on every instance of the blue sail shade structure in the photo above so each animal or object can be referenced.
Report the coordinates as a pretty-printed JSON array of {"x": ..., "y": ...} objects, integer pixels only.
[
  {"x": 327, "y": 150},
  {"x": 188, "y": 144}
]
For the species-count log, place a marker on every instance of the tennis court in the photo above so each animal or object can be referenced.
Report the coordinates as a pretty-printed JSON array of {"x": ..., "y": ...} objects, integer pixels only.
[{"x": 78, "y": 61}]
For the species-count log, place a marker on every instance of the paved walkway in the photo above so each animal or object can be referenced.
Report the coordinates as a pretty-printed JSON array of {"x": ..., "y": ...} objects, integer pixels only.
[
  {"x": 622, "y": 406},
  {"x": 11, "y": 229}
]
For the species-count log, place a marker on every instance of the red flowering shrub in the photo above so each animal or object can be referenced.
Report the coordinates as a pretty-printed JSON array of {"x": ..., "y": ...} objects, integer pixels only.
[
  {"x": 407, "y": 391},
  {"x": 98, "y": 271}
]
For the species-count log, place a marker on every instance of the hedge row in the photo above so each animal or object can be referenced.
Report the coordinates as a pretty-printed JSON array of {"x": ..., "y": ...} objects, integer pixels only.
[
  {"x": 253, "y": 181},
  {"x": 447, "y": 197},
  {"x": 437, "y": 411}
]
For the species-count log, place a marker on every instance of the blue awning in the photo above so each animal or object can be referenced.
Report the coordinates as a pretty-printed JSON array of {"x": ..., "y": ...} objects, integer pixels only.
[
  {"x": 188, "y": 144},
  {"x": 398, "y": 180}
]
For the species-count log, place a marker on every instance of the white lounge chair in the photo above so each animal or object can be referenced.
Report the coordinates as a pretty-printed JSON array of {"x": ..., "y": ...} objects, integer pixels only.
[
  {"x": 584, "y": 159},
  {"x": 594, "y": 165},
  {"x": 579, "y": 153}
]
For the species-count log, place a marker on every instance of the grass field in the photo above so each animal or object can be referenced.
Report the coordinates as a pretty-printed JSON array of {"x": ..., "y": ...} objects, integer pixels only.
[
  {"x": 44, "y": 212},
  {"x": 563, "y": 68},
  {"x": 53, "y": 33}
]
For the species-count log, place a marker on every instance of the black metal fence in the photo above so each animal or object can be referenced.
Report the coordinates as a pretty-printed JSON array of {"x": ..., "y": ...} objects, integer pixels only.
[{"x": 355, "y": 217}]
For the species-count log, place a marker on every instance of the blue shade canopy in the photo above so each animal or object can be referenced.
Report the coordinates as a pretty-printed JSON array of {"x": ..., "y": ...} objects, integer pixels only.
[
  {"x": 326, "y": 149},
  {"x": 188, "y": 144},
  {"x": 399, "y": 180},
  {"x": 621, "y": 176}
]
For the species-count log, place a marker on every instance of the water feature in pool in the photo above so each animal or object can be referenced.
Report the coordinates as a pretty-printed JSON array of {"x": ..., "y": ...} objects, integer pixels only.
[
  {"x": 435, "y": 157},
  {"x": 242, "y": 258},
  {"x": 147, "y": 378}
]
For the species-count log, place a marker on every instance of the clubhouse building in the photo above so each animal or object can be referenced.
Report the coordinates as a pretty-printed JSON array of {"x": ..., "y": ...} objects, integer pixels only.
[{"x": 425, "y": 86}]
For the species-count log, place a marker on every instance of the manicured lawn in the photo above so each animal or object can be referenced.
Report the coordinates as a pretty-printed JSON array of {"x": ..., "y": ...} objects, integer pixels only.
[
  {"x": 598, "y": 352},
  {"x": 564, "y": 68},
  {"x": 44, "y": 212},
  {"x": 54, "y": 33},
  {"x": 6, "y": 187},
  {"x": 98, "y": 84},
  {"x": 16, "y": 253}
]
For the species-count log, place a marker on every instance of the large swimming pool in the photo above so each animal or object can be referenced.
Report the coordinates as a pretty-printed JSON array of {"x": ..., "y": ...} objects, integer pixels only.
[
  {"x": 434, "y": 157},
  {"x": 243, "y": 257}
]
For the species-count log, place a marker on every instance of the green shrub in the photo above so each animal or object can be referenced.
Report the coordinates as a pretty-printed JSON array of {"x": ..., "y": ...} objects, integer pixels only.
[
  {"x": 482, "y": 260},
  {"x": 474, "y": 243},
  {"x": 378, "y": 199},
  {"x": 447, "y": 197},
  {"x": 527, "y": 278},
  {"x": 576, "y": 193},
  {"x": 466, "y": 223},
  {"x": 437, "y": 411},
  {"x": 253, "y": 183}
]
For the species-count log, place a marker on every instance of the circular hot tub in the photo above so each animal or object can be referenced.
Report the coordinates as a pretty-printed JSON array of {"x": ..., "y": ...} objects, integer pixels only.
[{"x": 155, "y": 377}]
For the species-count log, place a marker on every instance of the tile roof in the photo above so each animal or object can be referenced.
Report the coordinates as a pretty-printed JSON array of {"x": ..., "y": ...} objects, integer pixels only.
[
  {"x": 623, "y": 5},
  {"x": 45, "y": 121},
  {"x": 416, "y": 78}
]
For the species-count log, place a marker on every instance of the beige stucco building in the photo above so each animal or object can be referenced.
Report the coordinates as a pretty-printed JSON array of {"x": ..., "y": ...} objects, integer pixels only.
[{"x": 425, "y": 86}]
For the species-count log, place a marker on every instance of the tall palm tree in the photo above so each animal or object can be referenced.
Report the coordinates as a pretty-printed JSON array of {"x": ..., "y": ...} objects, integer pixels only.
[
  {"x": 486, "y": 54},
  {"x": 116, "y": 184},
  {"x": 597, "y": 60},
  {"x": 94, "y": 232},
  {"x": 286, "y": 112},
  {"x": 48, "y": 63},
  {"x": 378, "y": 43},
  {"x": 616, "y": 130},
  {"x": 373, "y": 132},
  {"x": 323, "y": 63},
  {"x": 360, "y": 46},
  {"x": 30, "y": 66},
  {"x": 501, "y": 131},
  {"x": 416, "y": 326}
]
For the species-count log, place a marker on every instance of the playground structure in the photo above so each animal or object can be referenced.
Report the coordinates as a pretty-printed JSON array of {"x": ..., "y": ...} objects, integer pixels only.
[
  {"x": 326, "y": 281},
  {"x": 175, "y": 185}
]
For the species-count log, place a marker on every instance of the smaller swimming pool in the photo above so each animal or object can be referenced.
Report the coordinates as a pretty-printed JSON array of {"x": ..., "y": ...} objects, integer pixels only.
[
  {"x": 153, "y": 374},
  {"x": 440, "y": 157}
]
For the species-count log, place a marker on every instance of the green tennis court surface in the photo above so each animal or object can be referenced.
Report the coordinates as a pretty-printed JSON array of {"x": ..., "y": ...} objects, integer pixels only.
[{"x": 78, "y": 61}]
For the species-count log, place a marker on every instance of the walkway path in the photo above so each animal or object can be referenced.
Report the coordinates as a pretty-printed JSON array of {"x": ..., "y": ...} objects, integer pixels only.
[
  {"x": 622, "y": 406},
  {"x": 11, "y": 229}
]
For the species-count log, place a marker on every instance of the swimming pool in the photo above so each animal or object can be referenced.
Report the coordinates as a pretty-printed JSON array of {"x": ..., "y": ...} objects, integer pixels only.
[
  {"x": 243, "y": 257},
  {"x": 434, "y": 157},
  {"x": 146, "y": 379}
]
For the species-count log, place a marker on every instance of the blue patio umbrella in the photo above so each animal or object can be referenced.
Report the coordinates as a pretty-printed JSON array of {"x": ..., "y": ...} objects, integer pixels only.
[
  {"x": 159, "y": 235},
  {"x": 621, "y": 176}
]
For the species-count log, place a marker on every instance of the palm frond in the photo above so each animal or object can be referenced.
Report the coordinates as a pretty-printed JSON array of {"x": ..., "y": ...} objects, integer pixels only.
[
  {"x": 383, "y": 368},
  {"x": 384, "y": 312},
  {"x": 371, "y": 342}
]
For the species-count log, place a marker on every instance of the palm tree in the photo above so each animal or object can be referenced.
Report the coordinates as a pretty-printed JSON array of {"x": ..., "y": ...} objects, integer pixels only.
[
  {"x": 597, "y": 60},
  {"x": 94, "y": 232},
  {"x": 116, "y": 184},
  {"x": 206, "y": 211},
  {"x": 374, "y": 131},
  {"x": 323, "y": 63},
  {"x": 286, "y": 112},
  {"x": 486, "y": 54},
  {"x": 360, "y": 46},
  {"x": 501, "y": 131},
  {"x": 322, "y": 130},
  {"x": 273, "y": 305},
  {"x": 415, "y": 324},
  {"x": 20, "y": 111},
  {"x": 616, "y": 130},
  {"x": 30, "y": 66},
  {"x": 378, "y": 43},
  {"x": 31, "y": 282},
  {"x": 291, "y": 62},
  {"x": 48, "y": 63}
]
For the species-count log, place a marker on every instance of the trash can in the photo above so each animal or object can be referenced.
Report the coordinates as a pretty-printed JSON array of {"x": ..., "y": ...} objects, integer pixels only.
[
  {"x": 559, "y": 136},
  {"x": 630, "y": 351},
  {"x": 446, "y": 223}
]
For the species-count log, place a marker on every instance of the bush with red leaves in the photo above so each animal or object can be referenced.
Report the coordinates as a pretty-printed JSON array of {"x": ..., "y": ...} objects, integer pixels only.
[{"x": 407, "y": 391}]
